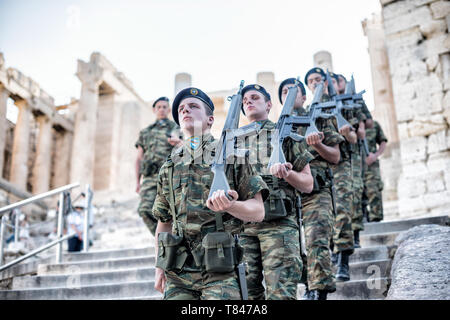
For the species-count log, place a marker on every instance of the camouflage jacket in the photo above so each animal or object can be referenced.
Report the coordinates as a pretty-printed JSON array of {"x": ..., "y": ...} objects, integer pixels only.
[
  {"x": 192, "y": 178},
  {"x": 331, "y": 138},
  {"x": 260, "y": 149},
  {"x": 153, "y": 140},
  {"x": 375, "y": 136}
]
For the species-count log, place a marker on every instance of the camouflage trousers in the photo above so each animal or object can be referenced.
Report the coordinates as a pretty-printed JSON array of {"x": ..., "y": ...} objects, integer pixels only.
[
  {"x": 197, "y": 286},
  {"x": 272, "y": 247},
  {"x": 318, "y": 222},
  {"x": 148, "y": 195},
  {"x": 373, "y": 186},
  {"x": 343, "y": 233},
  {"x": 358, "y": 188}
]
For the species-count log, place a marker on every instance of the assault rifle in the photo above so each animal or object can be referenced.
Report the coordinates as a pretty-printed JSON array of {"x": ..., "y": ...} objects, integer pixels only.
[
  {"x": 226, "y": 145},
  {"x": 339, "y": 103},
  {"x": 287, "y": 124}
]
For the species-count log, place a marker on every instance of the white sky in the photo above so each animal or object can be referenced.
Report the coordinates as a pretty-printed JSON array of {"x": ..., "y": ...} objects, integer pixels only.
[{"x": 217, "y": 42}]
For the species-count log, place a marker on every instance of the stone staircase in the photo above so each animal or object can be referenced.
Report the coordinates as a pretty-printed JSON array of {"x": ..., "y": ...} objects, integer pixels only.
[
  {"x": 129, "y": 273},
  {"x": 370, "y": 265}
]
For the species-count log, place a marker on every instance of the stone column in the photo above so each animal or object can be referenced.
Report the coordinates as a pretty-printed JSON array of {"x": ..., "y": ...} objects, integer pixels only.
[
  {"x": 42, "y": 164},
  {"x": 384, "y": 111},
  {"x": 4, "y": 95},
  {"x": 182, "y": 81},
  {"x": 83, "y": 149},
  {"x": 63, "y": 148},
  {"x": 322, "y": 59},
  {"x": 19, "y": 163},
  {"x": 267, "y": 80}
]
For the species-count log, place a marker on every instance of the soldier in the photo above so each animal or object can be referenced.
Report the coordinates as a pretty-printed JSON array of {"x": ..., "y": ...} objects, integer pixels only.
[
  {"x": 195, "y": 249},
  {"x": 373, "y": 184},
  {"x": 154, "y": 145},
  {"x": 365, "y": 120},
  {"x": 342, "y": 174},
  {"x": 273, "y": 246},
  {"x": 317, "y": 206}
]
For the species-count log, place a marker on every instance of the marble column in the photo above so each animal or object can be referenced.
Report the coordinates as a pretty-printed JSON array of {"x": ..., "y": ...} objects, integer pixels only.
[
  {"x": 19, "y": 165},
  {"x": 42, "y": 165},
  {"x": 83, "y": 148},
  {"x": 63, "y": 149},
  {"x": 322, "y": 59},
  {"x": 4, "y": 95},
  {"x": 384, "y": 111}
]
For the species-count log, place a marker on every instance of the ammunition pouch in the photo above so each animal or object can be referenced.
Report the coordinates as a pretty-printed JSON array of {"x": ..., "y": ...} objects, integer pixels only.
[
  {"x": 321, "y": 180},
  {"x": 172, "y": 254},
  {"x": 221, "y": 252},
  {"x": 278, "y": 205}
]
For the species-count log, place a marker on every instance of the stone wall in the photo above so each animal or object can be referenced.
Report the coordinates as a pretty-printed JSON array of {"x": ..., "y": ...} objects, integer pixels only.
[{"x": 418, "y": 46}]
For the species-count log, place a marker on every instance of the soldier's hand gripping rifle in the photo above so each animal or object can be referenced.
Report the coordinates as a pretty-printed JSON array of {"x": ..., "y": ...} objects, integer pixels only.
[
  {"x": 287, "y": 124},
  {"x": 284, "y": 128},
  {"x": 338, "y": 104},
  {"x": 226, "y": 145}
]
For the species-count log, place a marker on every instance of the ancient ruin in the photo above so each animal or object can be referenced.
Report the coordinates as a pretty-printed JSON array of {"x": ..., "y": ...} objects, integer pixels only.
[{"x": 91, "y": 139}]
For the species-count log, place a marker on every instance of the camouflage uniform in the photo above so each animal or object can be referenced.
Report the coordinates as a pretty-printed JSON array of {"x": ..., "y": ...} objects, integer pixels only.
[
  {"x": 192, "y": 178},
  {"x": 153, "y": 140},
  {"x": 358, "y": 157},
  {"x": 318, "y": 214},
  {"x": 372, "y": 177},
  {"x": 343, "y": 180},
  {"x": 273, "y": 246}
]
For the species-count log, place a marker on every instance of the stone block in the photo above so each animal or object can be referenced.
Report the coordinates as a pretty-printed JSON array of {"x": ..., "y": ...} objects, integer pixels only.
[
  {"x": 435, "y": 183},
  {"x": 419, "y": 3},
  {"x": 415, "y": 170},
  {"x": 426, "y": 125},
  {"x": 407, "y": 18},
  {"x": 411, "y": 207},
  {"x": 400, "y": 45},
  {"x": 443, "y": 70},
  {"x": 439, "y": 162},
  {"x": 437, "y": 142},
  {"x": 396, "y": 8},
  {"x": 437, "y": 199},
  {"x": 440, "y": 9},
  {"x": 433, "y": 28},
  {"x": 434, "y": 46},
  {"x": 413, "y": 149},
  {"x": 411, "y": 187}
]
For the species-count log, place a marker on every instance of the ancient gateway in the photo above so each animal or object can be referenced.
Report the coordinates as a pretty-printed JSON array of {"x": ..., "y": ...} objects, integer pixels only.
[{"x": 91, "y": 139}]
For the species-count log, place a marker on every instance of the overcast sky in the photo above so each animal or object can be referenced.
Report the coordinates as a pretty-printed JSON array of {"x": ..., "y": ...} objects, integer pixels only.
[{"x": 217, "y": 42}]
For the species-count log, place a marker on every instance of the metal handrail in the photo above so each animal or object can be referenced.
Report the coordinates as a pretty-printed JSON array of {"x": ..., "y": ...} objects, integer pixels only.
[
  {"x": 62, "y": 196},
  {"x": 35, "y": 252},
  {"x": 38, "y": 197}
]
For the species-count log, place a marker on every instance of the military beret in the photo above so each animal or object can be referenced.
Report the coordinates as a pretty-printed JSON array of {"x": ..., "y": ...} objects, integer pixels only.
[
  {"x": 257, "y": 88},
  {"x": 160, "y": 99},
  {"x": 341, "y": 75},
  {"x": 187, "y": 93},
  {"x": 290, "y": 81},
  {"x": 315, "y": 70},
  {"x": 335, "y": 76}
]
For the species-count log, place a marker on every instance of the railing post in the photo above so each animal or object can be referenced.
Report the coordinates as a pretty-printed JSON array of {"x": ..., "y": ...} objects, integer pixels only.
[
  {"x": 16, "y": 225},
  {"x": 2, "y": 237},
  {"x": 87, "y": 214},
  {"x": 60, "y": 226}
]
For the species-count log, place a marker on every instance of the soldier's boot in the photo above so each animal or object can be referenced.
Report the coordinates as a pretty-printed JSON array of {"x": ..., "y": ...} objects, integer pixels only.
[
  {"x": 334, "y": 258},
  {"x": 316, "y": 295},
  {"x": 356, "y": 239},
  {"x": 343, "y": 268}
]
